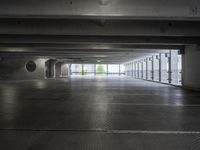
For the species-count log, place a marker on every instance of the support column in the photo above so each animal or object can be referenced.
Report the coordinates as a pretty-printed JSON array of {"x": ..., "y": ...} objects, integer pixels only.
[
  {"x": 119, "y": 70},
  {"x": 138, "y": 70},
  {"x": 142, "y": 69},
  {"x": 65, "y": 69},
  {"x": 174, "y": 67},
  {"x": 69, "y": 70},
  {"x": 164, "y": 74},
  {"x": 125, "y": 69},
  {"x": 82, "y": 72},
  {"x": 191, "y": 65},
  {"x": 107, "y": 68},
  {"x": 132, "y": 70},
  {"x": 160, "y": 67},
  {"x": 50, "y": 70},
  {"x": 152, "y": 61},
  {"x": 58, "y": 69},
  {"x": 95, "y": 70},
  {"x": 147, "y": 68},
  {"x": 170, "y": 68}
]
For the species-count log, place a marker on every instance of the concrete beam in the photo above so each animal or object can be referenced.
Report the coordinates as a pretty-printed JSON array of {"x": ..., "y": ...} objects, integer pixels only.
[
  {"x": 86, "y": 57},
  {"x": 84, "y": 47},
  {"x": 105, "y": 9},
  {"x": 97, "y": 28},
  {"x": 28, "y": 40}
]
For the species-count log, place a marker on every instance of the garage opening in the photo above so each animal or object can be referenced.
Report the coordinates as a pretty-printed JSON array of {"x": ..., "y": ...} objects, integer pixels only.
[
  {"x": 164, "y": 67},
  {"x": 97, "y": 69}
]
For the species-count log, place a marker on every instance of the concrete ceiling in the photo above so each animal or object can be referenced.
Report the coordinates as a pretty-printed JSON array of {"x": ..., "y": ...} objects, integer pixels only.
[
  {"x": 104, "y": 9},
  {"x": 113, "y": 31}
]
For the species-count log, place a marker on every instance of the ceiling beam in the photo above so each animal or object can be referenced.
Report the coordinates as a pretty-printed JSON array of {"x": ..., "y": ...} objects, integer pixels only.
[
  {"x": 112, "y": 9},
  {"x": 99, "y": 28},
  {"x": 115, "y": 40},
  {"x": 84, "y": 47}
]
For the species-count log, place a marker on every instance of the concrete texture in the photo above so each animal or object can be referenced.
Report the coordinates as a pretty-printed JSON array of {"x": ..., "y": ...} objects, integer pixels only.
[
  {"x": 156, "y": 9},
  {"x": 15, "y": 68},
  {"x": 97, "y": 113},
  {"x": 58, "y": 69},
  {"x": 65, "y": 71},
  {"x": 191, "y": 71}
]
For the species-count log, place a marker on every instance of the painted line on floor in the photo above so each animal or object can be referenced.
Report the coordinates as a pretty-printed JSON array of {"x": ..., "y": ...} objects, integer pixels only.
[
  {"x": 151, "y": 132},
  {"x": 143, "y": 104},
  {"x": 107, "y": 131}
]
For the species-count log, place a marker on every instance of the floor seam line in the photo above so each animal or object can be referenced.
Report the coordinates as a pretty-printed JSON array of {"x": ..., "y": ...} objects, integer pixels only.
[{"x": 164, "y": 132}]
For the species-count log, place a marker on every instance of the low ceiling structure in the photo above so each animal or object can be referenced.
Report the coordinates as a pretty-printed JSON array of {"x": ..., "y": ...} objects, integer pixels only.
[{"x": 113, "y": 31}]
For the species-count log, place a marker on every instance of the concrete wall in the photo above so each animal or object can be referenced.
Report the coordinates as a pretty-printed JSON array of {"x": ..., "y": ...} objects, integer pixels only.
[
  {"x": 15, "y": 68},
  {"x": 58, "y": 69},
  {"x": 50, "y": 68},
  {"x": 191, "y": 67},
  {"x": 65, "y": 70}
]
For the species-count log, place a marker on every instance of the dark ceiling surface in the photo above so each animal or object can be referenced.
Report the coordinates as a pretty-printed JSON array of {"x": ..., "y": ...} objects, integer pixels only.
[{"x": 111, "y": 31}]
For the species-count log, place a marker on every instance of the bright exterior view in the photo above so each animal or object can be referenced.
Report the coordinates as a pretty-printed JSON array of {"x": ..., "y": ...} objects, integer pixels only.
[
  {"x": 161, "y": 67},
  {"x": 97, "y": 69}
]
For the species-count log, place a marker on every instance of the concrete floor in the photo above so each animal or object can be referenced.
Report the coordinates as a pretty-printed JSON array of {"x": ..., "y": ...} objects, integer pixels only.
[{"x": 114, "y": 113}]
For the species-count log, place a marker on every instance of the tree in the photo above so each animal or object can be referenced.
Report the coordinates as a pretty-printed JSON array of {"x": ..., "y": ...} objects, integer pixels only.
[
  {"x": 84, "y": 71},
  {"x": 100, "y": 69}
]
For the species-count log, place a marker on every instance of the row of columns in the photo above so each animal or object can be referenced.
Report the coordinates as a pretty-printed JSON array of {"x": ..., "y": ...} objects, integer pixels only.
[
  {"x": 54, "y": 68},
  {"x": 162, "y": 67}
]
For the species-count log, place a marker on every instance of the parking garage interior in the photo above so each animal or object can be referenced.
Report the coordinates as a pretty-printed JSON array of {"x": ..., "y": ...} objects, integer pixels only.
[{"x": 99, "y": 75}]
